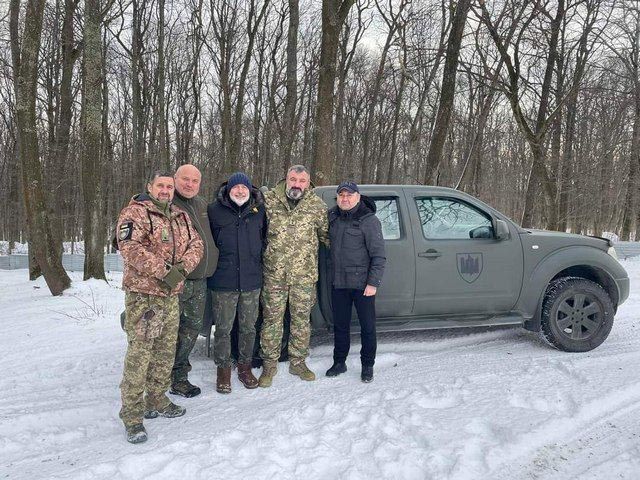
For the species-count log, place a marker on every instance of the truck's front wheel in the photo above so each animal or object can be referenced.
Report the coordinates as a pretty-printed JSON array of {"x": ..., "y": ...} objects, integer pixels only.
[{"x": 577, "y": 314}]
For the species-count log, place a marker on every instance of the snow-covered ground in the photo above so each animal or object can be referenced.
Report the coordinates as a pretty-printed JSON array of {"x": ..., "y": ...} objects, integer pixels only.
[{"x": 450, "y": 404}]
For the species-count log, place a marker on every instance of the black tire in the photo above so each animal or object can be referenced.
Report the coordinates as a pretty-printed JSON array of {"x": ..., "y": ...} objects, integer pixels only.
[{"x": 577, "y": 314}]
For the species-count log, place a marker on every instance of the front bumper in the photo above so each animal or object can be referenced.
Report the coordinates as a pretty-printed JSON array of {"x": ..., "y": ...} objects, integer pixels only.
[{"x": 623, "y": 289}]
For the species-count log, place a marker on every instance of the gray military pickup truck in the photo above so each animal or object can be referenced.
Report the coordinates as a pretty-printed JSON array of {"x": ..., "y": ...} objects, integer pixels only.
[{"x": 453, "y": 261}]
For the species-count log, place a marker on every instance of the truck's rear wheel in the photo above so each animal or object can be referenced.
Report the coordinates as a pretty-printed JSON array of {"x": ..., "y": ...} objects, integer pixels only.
[{"x": 577, "y": 314}]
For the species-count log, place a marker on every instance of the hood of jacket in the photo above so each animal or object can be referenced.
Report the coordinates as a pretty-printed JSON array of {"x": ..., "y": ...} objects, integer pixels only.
[
  {"x": 147, "y": 202},
  {"x": 256, "y": 198}
]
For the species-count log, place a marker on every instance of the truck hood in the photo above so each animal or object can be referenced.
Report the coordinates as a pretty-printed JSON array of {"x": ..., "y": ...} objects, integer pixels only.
[{"x": 559, "y": 239}]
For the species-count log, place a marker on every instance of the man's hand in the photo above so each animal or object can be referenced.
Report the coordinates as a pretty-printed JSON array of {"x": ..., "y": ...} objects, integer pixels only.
[
  {"x": 181, "y": 268},
  {"x": 370, "y": 291},
  {"x": 173, "y": 277}
]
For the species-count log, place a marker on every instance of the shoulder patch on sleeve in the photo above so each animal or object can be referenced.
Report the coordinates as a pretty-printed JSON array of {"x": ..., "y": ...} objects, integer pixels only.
[{"x": 126, "y": 231}]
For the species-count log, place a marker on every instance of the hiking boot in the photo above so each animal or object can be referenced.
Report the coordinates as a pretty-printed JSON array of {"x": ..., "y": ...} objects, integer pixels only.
[
  {"x": 223, "y": 380},
  {"x": 245, "y": 375},
  {"x": 184, "y": 388},
  {"x": 136, "y": 433},
  {"x": 336, "y": 369},
  {"x": 171, "y": 410},
  {"x": 367, "y": 373},
  {"x": 299, "y": 368},
  {"x": 269, "y": 370}
]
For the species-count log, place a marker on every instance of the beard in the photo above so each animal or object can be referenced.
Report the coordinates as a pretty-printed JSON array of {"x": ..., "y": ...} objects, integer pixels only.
[
  {"x": 294, "y": 193},
  {"x": 240, "y": 201}
]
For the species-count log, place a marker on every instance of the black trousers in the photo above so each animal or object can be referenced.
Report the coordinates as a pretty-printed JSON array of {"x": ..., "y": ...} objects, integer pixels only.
[{"x": 342, "y": 300}]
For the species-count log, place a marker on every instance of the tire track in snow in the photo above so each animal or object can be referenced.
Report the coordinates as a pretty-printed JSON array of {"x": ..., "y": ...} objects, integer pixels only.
[{"x": 560, "y": 430}]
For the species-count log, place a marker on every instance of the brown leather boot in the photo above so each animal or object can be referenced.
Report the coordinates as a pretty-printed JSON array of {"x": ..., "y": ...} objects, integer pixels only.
[
  {"x": 223, "y": 380},
  {"x": 245, "y": 375}
]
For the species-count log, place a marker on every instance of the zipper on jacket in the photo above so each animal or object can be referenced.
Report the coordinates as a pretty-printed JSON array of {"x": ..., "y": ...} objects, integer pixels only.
[{"x": 173, "y": 239}]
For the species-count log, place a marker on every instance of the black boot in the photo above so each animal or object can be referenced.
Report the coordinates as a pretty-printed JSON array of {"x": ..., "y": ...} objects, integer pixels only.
[
  {"x": 185, "y": 388},
  {"x": 136, "y": 433},
  {"x": 367, "y": 373},
  {"x": 336, "y": 369}
]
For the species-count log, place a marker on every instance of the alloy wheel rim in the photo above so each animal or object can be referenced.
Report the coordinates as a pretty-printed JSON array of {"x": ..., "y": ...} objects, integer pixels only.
[{"x": 579, "y": 316}]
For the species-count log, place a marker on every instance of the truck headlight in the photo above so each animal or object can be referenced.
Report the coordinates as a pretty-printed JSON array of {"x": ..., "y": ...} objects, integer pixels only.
[{"x": 612, "y": 251}]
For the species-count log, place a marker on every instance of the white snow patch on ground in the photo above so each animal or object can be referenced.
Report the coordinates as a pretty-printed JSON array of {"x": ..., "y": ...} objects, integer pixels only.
[{"x": 448, "y": 404}]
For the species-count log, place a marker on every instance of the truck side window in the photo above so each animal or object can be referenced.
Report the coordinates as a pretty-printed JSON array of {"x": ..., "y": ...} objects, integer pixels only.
[
  {"x": 449, "y": 218},
  {"x": 387, "y": 213}
]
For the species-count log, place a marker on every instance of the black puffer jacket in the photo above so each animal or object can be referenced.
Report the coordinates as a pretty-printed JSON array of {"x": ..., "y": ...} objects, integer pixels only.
[
  {"x": 239, "y": 233},
  {"x": 357, "y": 247}
]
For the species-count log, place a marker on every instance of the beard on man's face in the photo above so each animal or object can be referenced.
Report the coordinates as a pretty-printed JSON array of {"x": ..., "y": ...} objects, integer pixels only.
[
  {"x": 295, "y": 193},
  {"x": 240, "y": 201}
]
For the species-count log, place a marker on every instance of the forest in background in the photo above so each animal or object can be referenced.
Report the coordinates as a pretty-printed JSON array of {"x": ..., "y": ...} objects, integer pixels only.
[{"x": 533, "y": 106}]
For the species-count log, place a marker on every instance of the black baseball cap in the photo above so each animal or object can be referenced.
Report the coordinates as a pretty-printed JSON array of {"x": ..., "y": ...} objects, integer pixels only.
[{"x": 349, "y": 186}]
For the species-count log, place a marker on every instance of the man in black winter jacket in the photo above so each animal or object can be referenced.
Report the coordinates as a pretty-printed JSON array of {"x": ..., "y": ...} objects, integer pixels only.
[
  {"x": 238, "y": 224},
  {"x": 358, "y": 260}
]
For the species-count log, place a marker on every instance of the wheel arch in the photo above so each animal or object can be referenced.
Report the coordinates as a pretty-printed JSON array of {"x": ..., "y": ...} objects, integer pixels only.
[{"x": 566, "y": 263}]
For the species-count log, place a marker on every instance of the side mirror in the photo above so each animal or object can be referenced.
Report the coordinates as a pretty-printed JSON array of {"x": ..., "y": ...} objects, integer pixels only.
[
  {"x": 481, "y": 232},
  {"x": 501, "y": 229}
]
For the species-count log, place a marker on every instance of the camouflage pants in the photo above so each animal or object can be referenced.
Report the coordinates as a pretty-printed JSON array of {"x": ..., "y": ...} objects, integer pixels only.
[
  {"x": 192, "y": 301},
  {"x": 150, "y": 353},
  {"x": 274, "y": 302},
  {"x": 225, "y": 305}
]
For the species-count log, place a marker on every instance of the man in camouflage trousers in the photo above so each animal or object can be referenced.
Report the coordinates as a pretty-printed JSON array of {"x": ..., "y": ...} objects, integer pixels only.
[
  {"x": 193, "y": 296},
  {"x": 297, "y": 223},
  {"x": 238, "y": 224},
  {"x": 159, "y": 247}
]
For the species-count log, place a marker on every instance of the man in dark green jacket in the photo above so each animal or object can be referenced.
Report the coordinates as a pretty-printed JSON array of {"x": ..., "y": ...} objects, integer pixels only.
[{"x": 193, "y": 298}]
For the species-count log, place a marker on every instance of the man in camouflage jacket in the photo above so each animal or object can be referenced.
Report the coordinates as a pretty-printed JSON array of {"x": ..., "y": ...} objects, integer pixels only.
[
  {"x": 297, "y": 223},
  {"x": 160, "y": 248}
]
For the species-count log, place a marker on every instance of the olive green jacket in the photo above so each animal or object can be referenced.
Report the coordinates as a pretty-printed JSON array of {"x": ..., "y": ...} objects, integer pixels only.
[{"x": 196, "y": 207}]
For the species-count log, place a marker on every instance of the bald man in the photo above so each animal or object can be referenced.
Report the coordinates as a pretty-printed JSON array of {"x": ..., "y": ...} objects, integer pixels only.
[{"x": 192, "y": 299}]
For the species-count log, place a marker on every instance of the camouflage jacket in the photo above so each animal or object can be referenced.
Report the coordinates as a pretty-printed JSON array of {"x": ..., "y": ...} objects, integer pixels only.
[
  {"x": 293, "y": 237},
  {"x": 150, "y": 243}
]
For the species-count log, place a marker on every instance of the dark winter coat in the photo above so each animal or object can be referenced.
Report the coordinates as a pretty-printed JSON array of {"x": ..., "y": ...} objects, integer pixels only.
[
  {"x": 239, "y": 233},
  {"x": 196, "y": 207},
  {"x": 357, "y": 247}
]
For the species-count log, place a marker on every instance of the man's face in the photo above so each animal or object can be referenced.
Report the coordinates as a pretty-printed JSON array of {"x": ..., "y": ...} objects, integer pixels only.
[
  {"x": 161, "y": 188},
  {"x": 297, "y": 184},
  {"x": 188, "y": 181},
  {"x": 239, "y": 194},
  {"x": 347, "y": 200}
]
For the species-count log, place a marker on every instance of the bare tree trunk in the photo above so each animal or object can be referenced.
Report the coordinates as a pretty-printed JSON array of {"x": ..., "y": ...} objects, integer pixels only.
[
  {"x": 137, "y": 111},
  {"x": 334, "y": 13},
  {"x": 393, "y": 23},
  {"x": 288, "y": 124},
  {"x": 345, "y": 163},
  {"x": 91, "y": 142},
  {"x": 163, "y": 147},
  {"x": 393, "y": 163},
  {"x": 41, "y": 238},
  {"x": 447, "y": 94},
  {"x": 236, "y": 137}
]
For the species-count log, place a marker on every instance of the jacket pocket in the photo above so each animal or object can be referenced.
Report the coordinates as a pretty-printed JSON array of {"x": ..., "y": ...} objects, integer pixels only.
[
  {"x": 355, "y": 271},
  {"x": 353, "y": 238}
]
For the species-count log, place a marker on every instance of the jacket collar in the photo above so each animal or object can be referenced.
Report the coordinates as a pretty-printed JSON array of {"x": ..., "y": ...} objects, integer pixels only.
[{"x": 147, "y": 202}]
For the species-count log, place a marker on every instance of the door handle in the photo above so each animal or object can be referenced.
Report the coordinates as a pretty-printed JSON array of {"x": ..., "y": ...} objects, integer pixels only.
[{"x": 430, "y": 254}]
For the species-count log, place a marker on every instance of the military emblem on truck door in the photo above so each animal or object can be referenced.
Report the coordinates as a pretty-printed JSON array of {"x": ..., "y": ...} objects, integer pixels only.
[{"x": 469, "y": 266}]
